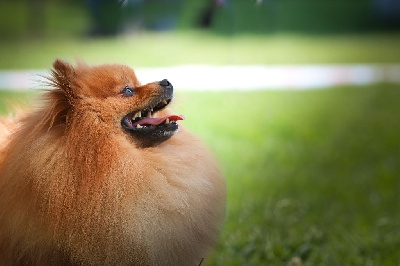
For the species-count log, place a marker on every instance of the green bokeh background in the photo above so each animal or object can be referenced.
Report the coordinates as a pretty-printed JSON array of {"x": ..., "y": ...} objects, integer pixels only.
[{"x": 313, "y": 176}]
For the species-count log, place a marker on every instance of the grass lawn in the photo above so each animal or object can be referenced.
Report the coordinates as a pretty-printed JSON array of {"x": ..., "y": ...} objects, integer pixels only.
[
  {"x": 196, "y": 47},
  {"x": 311, "y": 175}
]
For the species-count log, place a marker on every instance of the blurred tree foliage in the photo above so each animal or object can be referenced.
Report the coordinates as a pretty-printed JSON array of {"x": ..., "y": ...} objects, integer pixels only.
[{"x": 104, "y": 17}]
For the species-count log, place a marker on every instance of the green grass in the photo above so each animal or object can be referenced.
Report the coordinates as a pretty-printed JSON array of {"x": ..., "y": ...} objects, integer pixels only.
[
  {"x": 195, "y": 47},
  {"x": 311, "y": 174}
]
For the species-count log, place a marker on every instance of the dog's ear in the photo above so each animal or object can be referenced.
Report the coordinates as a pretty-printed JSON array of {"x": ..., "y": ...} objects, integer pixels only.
[
  {"x": 62, "y": 77},
  {"x": 62, "y": 96}
]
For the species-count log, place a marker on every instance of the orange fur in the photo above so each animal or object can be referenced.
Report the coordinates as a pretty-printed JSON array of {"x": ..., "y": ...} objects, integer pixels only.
[{"x": 77, "y": 189}]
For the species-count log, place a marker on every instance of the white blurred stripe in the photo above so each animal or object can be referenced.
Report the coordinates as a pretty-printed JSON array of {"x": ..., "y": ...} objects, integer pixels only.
[
  {"x": 21, "y": 79},
  {"x": 203, "y": 77}
]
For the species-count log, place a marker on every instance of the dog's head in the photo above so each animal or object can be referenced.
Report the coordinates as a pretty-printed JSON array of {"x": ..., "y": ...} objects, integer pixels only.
[{"x": 112, "y": 99}]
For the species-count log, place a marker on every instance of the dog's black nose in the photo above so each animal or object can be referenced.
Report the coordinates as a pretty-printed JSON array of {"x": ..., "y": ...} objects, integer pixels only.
[{"x": 165, "y": 83}]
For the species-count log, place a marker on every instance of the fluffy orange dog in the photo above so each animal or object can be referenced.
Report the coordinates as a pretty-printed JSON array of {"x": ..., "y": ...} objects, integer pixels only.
[{"x": 100, "y": 175}]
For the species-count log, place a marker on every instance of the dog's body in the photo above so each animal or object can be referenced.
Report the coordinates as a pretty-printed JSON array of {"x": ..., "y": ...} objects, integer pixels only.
[{"x": 84, "y": 181}]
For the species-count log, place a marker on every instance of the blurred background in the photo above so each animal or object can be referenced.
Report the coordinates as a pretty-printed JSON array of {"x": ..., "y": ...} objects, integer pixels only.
[{"x": 299, "y": 100}]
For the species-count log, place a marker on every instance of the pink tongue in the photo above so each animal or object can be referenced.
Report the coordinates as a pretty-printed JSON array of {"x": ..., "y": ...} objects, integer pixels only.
[{"x": 157, "y": 121}]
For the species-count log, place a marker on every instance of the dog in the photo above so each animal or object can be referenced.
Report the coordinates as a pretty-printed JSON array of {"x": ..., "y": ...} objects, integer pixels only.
[{"x": 102, "y": 174}]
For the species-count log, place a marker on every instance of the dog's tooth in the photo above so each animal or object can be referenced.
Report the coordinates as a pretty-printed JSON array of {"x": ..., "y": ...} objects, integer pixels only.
[
  {"x": 165, "y": 102},
  {"x": 138, "y": 126},
  {"x": 139, "y": 114},
  {"x": 149, "y": 114},
  {"x": 167, "y": 121}
]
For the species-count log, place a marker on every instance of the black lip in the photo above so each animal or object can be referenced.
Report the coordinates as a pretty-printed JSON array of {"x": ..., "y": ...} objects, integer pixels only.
[
  {"x": 156, "y": 105},
  {"x": 152, "y": 130},
  {"x": 148, "y": 128},
  {"x": 150, "y": 135}
]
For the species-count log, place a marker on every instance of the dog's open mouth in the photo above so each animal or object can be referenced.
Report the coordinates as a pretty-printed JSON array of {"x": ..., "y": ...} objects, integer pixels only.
[{"x": 143, "y": 123}]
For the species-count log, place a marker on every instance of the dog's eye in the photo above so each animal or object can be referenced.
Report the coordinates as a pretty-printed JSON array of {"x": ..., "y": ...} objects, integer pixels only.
[{"x": 127, "y": 92}]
